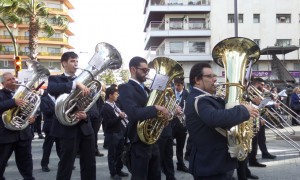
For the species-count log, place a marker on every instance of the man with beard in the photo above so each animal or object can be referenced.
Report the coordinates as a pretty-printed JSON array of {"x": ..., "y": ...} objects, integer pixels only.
[
  {"x": 145, "y": 159},
  {"x": 18, "y": 142},
  {"x": 209, "y": 158}
]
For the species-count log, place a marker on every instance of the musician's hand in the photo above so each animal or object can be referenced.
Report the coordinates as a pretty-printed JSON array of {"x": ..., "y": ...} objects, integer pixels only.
[
  {"x": 254, "y": 113},
  {"x": 262, "y": 121},
  {"x": 80, "y": 115},
  {"x": 83, "y": 88},
  {"x": 165, "y": 111},
  {"x": 122, "y": 115},
  {"x": 20, "y": 102},
  {"x": 31, "y": 119},
  {"x": 178, "y": 110},
  {"x": 256, "y": 100}
]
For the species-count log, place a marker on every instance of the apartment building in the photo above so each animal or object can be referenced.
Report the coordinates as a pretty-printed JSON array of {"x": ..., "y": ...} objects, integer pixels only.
[
  {"x": 187, "y": 30},
  {"x": 49, "y": 49}
]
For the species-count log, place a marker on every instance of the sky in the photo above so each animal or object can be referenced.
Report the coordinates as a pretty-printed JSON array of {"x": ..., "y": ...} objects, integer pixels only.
[{"x": 117, "y": 22}]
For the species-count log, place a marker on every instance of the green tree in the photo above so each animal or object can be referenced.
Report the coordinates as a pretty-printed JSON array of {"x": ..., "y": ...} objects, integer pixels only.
[
  {"x": 37, "y": 13},
  {"x": 124, "y": 73},
  {"x": 108, "y": 77}
]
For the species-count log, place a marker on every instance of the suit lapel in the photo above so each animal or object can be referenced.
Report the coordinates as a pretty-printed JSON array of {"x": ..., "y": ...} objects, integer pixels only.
[{"x": 138, "y": 88}]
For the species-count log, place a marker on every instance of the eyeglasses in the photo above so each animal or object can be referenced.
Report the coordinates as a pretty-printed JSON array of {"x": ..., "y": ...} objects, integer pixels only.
[
  {"x": 145, "y": 70},
  {"x": 210, "y": 76}
]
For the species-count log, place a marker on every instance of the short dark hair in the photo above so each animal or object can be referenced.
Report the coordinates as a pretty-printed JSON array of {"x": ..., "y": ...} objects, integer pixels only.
[
  {"x": 114, "y": 86},
  {"x": 197, "y": 72},
  {"x": 110, "y": 91},
  {"x": 179, "y": 80},
  {"x": 65, "y": 57},
  {"x": 257, "y": 80},
  {"x": 136, "y": 61}
]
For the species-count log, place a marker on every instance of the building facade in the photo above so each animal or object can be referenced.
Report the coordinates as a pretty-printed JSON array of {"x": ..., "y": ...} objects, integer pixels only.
[
  {"x": 49, "y": 48},
  {"x": 187, "y": 30}
]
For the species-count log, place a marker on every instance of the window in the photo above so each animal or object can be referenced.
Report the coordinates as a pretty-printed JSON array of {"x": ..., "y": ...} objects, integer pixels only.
[
  {"x": 53, "y": 5},
  {"x": 197, "y": 23},
  {"x": 176, "y": 47},
  {"x": 8, "y": 48},
  {"x": 5, "y": 63},
  {"x": 255, "y": 67},
  {"x": 231, "y": 18},
  {"x": 257, "y": 41},
  {"x": 176, "y": 23},
  {"x": 196, "y": 47},
  {"x": 296, "y": 66},
  {"x": 26, "y": 49},
  {"x": 283, "y": 18},
  {"x": 283, "y": 42},
  {"x": 256, "y": 18},
  {"x": 53, "y": 50},
  {"x": 27, "y": 33}
]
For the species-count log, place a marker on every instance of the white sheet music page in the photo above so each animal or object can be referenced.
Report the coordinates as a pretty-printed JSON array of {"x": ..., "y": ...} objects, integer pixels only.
[
  {"x": 97, "y": 61},
  {"x": 160, "y": 82}
]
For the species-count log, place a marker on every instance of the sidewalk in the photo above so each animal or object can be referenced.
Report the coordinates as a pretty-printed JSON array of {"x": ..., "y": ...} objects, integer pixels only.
[{"x": 285, "y": 167}]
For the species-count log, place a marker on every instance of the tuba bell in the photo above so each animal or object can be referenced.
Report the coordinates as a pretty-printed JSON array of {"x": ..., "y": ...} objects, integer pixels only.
[
  {"x": 150, "y": 129},
  {"x": 233, "y": 54},
  {"x": 106, "y": 57},
  {"x": 16, "y": 118}
]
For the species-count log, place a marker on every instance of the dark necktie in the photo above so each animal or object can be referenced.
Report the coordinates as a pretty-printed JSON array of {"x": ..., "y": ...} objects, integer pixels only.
[{"x": 71, "y": 78}]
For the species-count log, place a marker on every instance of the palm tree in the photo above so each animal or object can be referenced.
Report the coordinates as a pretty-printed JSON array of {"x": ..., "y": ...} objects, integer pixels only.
[{"x": 37, "y": 14}]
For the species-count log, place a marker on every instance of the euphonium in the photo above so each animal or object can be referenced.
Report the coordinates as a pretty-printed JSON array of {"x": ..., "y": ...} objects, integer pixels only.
[
  {"x": 105, "y": 57},
  {"x": 234, "y": 54},
  {"x": 149, "y": 130},
  {"x": 17, "y": 118}
]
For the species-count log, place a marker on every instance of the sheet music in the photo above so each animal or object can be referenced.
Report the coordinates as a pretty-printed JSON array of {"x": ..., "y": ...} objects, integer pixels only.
[
  {"x": 160, "y": 82},
  {"x": 264, "y": 102}
]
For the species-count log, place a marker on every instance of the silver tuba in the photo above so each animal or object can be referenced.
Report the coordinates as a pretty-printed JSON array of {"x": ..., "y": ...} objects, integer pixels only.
[
  {"x": 106, "y": 57},
  {"x": 16, "y": 118}
]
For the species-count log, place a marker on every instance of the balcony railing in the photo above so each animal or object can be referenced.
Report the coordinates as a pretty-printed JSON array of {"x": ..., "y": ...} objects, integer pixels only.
[
  {"x": 22, "y": 53},
  {"x": 180, "y": 3},
  {"x": 44, "y": 39},
  {"x": 5, "y": 37},
  {"x": 178, "y": 25}
]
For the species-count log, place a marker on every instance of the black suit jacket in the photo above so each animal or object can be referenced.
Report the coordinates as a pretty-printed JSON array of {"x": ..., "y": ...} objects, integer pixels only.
[
  {"x": 209, "y": 155},
  {"x": 48, "y": 110},
  {"x": 111, "y": 122},
  {"x": 58, "y": 85},
  {"x": 6, "y": 135},
  {"x": 133, "y": 100}
]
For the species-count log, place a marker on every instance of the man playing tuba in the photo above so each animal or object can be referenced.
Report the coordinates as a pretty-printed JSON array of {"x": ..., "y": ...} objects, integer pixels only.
[{"x": 18, "y": 141}]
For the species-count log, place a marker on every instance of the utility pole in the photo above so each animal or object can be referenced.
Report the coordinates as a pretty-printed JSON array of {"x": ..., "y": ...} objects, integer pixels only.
[{"x": 235, "y": 19}]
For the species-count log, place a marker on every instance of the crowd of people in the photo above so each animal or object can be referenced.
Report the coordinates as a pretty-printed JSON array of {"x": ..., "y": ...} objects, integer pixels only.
[{"x": 199, "y": 115}]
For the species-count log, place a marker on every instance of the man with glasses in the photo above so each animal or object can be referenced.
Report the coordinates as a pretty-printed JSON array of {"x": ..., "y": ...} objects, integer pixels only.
[
  {"x": 145, "y": 160},
  {"x": 260, "y": 137},
  {"x": 209, "y": 158}
]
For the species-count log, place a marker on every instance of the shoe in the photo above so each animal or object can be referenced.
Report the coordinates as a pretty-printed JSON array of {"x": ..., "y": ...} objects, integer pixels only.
[
  {"x": 268, "y": 156},
  {"x": 99, "y": 154},
  {"x": 123, "y": 174},
  {"x": 256, "y": 164},
  {"x": 252, "y": 176},
  {"x": 187, "y": 157},
  {"x": 115, "y": 177},
  {"x": 41, "y": 136},
  {"x": 183, "y": 168},
  {"x": 45, "y": 169}
]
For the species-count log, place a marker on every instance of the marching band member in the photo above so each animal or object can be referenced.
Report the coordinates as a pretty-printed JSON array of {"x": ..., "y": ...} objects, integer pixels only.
[
  {"x": 209, "y": 158},
  {"x": 145, "y": 159},
  {"x": 18, "y": 142},
  {"x": 113, "y": 120},
  {"x": 79, "y": 137}
]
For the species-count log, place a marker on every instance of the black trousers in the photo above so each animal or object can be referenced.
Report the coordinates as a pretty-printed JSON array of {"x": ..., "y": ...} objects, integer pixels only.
[
  {"x": 188, "y": 147},
  {"x": 38, "y": 124},
  {"x": 145, "y": 161},
  {"x": 47, "y": 147},
  {"x": 166, "y": 156},
  {"x": 23, "y": 158},
  {"x": 115, "y": 149},
  {"x": 260, "y": 140},
  {"x": 224, "y": 176},
  {"x": 96, "y": 123},
  {"x": 179, "y": 133},
  {"x": 242, "y": 170},
  {"x": 69, "y": 148}
]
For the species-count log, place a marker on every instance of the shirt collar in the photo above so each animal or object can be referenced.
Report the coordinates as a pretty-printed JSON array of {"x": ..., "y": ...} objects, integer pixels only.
[
  {"x": 141, "y": 84},
  {"x": 202, "y": 91}
]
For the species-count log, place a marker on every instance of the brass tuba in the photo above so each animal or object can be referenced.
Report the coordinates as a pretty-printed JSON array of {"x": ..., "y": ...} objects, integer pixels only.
[
  {"x": 150, "y": 129},
  {"x": 16, "y": 118},
  {"x": 234, "y": 54},
  {"x": 106, "y": 57}
]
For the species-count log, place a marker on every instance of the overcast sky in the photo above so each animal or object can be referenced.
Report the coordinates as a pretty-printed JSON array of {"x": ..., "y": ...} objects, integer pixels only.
[{"x": 119, "y": 23}]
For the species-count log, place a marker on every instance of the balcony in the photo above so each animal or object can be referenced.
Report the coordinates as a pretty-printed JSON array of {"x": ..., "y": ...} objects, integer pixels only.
[
  {"x": 184, "y": 54},
  {"x": 158, "y": 31}
]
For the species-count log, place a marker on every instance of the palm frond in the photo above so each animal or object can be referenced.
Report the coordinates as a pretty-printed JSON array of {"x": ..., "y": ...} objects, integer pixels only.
[{"x": 47, "y": 28}]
